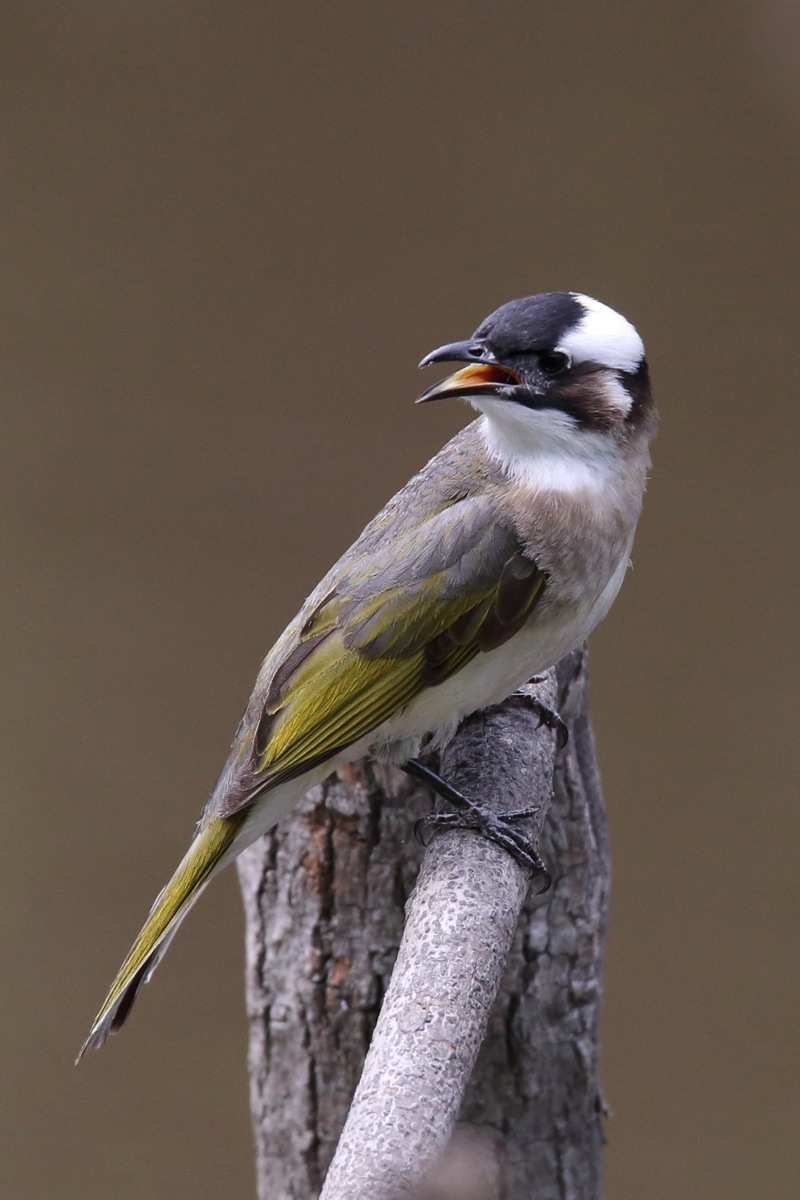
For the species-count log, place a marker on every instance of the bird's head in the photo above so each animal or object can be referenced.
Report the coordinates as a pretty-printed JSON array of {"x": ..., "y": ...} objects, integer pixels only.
[{"x": 557, "y": 371}]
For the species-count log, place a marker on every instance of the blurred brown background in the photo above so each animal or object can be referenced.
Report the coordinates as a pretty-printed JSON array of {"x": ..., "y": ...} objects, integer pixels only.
[{"x": 229, "y": 232}]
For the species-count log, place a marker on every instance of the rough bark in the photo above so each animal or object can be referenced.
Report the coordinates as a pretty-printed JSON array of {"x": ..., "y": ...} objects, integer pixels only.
[{"x": 325, "y": 898}]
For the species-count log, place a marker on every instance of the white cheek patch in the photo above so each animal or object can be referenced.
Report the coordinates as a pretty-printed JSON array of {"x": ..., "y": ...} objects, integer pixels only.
[{"x": 603, "y": 336}]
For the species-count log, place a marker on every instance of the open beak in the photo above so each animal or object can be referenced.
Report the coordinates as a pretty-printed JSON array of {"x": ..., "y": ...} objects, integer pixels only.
[{"x": 482, "y": 377}]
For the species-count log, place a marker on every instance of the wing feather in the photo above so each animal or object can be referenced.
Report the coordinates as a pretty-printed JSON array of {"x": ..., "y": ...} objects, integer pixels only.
[{"x": 422, "y": 605}]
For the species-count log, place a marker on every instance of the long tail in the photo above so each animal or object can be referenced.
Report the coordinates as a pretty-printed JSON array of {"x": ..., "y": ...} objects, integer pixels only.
[{"x": 172, "y": 904}]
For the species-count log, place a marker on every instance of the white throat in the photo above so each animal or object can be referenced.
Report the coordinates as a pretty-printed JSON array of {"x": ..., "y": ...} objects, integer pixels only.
[{"x": 545, "y": 450}]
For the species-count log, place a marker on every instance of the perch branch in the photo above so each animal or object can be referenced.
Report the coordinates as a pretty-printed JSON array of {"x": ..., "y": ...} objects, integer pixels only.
[{"x": 460, "y": 922}]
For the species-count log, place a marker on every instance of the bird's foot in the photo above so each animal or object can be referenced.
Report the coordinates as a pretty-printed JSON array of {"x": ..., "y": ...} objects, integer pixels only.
[
  {"x": 497, "y": 827},
  {"x": 547, "y": 715}
]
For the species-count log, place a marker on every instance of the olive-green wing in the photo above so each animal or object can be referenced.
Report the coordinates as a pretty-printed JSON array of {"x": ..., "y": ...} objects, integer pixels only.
[{"x": 397, "y": 621}]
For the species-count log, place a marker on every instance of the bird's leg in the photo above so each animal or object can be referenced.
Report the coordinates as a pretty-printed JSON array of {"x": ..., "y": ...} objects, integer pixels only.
[{"x": 497, "y": 827}]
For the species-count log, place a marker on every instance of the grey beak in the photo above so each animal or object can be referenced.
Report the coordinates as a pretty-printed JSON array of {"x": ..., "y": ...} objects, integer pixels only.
[
  {"x": 471, "y": 351},
  {"x": 485, "y": 378}
]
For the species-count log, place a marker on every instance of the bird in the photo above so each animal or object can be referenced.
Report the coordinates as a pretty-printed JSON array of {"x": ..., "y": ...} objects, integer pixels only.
[{"x": 495, "y": 560}]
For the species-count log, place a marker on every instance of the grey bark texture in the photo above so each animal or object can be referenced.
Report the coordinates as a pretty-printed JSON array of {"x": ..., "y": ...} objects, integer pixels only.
[{"x": 325, "y": 898}]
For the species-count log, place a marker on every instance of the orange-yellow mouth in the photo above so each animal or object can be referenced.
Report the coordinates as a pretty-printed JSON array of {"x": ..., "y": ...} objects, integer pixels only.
[{"x": 476, "y": 379}]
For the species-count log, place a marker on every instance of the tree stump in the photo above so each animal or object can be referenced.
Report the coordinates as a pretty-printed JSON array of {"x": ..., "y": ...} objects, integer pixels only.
[{"x": 325, "y": 898}]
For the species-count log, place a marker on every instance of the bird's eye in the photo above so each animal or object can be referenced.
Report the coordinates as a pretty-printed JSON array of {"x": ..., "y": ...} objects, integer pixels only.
[{"x": 553, "y": 363}]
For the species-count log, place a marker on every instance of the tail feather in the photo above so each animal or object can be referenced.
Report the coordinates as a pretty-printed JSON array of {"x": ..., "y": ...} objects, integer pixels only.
[{"x": 200, "y": 862}]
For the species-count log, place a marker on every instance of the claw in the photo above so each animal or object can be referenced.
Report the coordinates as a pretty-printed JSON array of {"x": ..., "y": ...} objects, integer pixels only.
[
  {"x": 553, "y": 720},
  {"x": 547, "y": 715},
  {"x": 419, "y": 830}
]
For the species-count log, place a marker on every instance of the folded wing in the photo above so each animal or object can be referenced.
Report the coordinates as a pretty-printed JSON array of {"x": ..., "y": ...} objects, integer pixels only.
[{"x": 404, "y": 617}]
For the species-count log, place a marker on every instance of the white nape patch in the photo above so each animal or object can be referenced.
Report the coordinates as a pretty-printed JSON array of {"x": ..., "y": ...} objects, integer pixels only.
[
  {"x": 603, "y": 336},
  {"x": 544, "y": 448}
]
